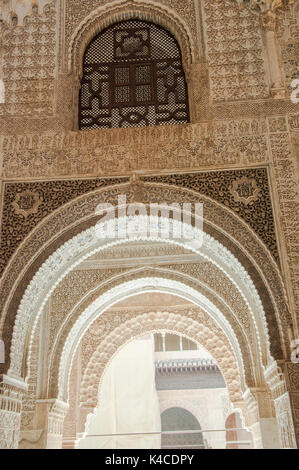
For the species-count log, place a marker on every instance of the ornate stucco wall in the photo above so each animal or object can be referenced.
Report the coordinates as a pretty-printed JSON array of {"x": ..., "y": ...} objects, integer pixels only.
[{"x": 244, "y": 132}]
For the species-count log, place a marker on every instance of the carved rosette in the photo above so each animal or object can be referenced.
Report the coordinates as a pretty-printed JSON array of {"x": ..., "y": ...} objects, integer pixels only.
[
  {"x": 26, "y": 203},
  {"x": 53, "y": 412},
  {"x": 245, "y": 190},
  {"x": 57, "y": 413}
]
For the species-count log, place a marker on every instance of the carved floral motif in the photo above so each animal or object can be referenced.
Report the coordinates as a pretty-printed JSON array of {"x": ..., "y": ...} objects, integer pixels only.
[
  {"x": 245, "y": 190},
  {"x": 153, "y": 322},
  {"x": 26, "y": 203}
]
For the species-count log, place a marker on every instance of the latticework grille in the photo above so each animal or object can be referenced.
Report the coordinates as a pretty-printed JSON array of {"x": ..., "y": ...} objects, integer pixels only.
[{"x": 132, "y": 76}]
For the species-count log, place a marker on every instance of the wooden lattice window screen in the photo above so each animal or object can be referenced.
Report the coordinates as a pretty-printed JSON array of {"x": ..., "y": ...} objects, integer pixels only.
[{"x": 132, "y": 76}]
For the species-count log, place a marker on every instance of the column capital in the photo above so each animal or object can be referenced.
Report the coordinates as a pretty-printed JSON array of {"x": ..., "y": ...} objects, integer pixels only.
[{"x": 16, "y": 383}]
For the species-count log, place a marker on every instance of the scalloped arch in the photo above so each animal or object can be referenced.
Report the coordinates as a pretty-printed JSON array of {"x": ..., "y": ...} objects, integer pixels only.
[
  {"x": 152, "y": 323},
  {"x": 73, "y": 252},
  {"x": 202, "y": 293},
  {"x": 57, "y": 223},
  {"x": 131, "y": 288}
]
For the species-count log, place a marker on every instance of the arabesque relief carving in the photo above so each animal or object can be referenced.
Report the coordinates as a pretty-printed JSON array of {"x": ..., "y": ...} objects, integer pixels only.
[
  {"x": 67, "y": 305},
  {"x": 223, "y": 186},
  {"x": 26, "y": 204},
  {"x": 121, "y": 151},
  {"x": 48, "y": 196},
  {"x": 237, "y": 156}
]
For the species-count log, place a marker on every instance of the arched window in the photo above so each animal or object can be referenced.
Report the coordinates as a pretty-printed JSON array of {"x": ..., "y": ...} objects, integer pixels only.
[
  {"x": 132, "y": 76},
  {"x": 179, "y": 419}
]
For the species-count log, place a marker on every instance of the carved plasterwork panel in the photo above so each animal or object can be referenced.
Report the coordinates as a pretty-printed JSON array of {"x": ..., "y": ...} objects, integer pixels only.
[
  {"x": 293, "y": 377},
  {"x": 224, "y": 186},
  {"x": 216, "y": 280},
  {"x": 72, "y": 290},
  {"x": 29, "y": 62},
  {"x": 30, "y": 106},
  {"x": 285, "y": 423},
  {"x": 293, "y": 122},
  {"x": 120, "y": 316},
  {"x": 44, "y": 197},
  {"x": 288, "y": 37},
  {"x": 286, "y": 180},
  {"x": 235, "y": 52},
  {"x": 10, "y": 417},
  {"x": 30, "y": 395},
  {"x": 103, "y": 326},
  {"x": 116, "y": 292},
  {"x": 245, "y": 190},
  {"x": 75, "y": 11},
  {"x": 9, "y": 432},
  {"x": 85, "y": 239},
  {"x": 26, "y": 204}
]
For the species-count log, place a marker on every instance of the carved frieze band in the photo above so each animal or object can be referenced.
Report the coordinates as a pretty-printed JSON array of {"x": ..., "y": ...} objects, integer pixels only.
[{"x": 121, "y": 151}]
